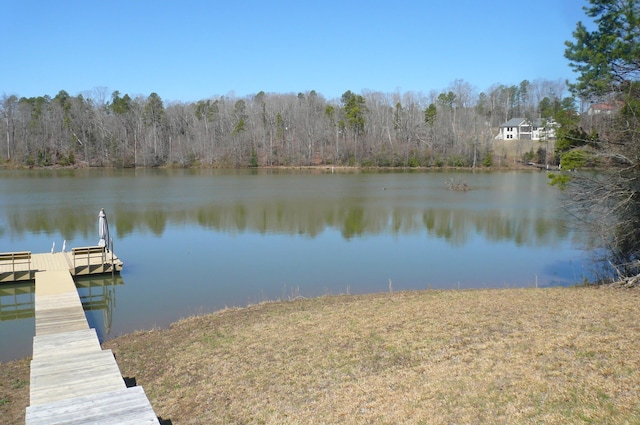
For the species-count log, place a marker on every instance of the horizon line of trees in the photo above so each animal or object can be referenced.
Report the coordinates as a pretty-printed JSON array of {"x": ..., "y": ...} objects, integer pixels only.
[{"x": 452, "y": 127}]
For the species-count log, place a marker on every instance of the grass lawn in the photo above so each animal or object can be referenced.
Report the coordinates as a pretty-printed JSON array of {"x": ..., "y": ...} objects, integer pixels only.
[{"x": 552, "y": 356}]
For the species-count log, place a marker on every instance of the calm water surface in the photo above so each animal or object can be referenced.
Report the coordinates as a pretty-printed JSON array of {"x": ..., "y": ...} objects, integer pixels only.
[{"x": 195, "y": 241}]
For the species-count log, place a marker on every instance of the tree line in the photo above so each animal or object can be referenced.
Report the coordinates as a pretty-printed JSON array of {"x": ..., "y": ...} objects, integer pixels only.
[
  {"x": 607, "y": 202},
  {"x": 454, "y": 127}
]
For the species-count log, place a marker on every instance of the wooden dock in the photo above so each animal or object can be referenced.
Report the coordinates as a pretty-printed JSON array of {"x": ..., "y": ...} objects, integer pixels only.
[
  {"x": 79, "y": 262},
  {"x": 73, "y": 380}
]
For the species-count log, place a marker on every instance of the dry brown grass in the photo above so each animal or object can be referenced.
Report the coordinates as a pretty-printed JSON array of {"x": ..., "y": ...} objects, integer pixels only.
[
  {"x": 14, "y": 390},
  {"x": 552, "y": 356}
]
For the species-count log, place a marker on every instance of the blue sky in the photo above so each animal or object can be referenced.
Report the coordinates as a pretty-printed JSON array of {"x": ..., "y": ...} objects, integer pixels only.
[{"x": 192, "y": 50}]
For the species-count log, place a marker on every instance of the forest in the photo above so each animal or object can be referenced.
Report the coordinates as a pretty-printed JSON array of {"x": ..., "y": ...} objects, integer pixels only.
[{"x": 98, "y": 128}]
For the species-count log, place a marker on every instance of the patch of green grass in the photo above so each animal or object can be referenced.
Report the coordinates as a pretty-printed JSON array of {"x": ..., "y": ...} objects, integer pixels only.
[
  {"x": 215, "y": 339},
  {"x": 586, "y": 354},
  {"x": 19, "y": 383}
]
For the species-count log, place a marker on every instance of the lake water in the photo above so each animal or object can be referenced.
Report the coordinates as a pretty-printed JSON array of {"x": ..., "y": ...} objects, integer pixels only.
[{"x": 196, "y": 241}]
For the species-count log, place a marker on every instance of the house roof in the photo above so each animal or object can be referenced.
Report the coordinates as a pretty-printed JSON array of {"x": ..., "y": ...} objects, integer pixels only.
[
  {"x": 513, "y": 122},
  {"x": 602, "y": 106}
]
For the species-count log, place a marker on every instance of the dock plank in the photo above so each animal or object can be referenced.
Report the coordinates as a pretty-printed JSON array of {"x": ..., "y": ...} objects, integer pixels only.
[
  {"x": 66, "y": 343},
  {"x": 50, "y": 261},
  {"x": 58, "y": 320},
  {"x": 54, "y": 282},
  {"x": 54, "y": 379},
  {"x": 125, "y": 407},
  {"x": 53, "y": 301}
]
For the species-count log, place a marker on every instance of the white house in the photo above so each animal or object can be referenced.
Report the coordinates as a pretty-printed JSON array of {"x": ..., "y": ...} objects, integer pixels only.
[{"x": 523, "y": 129}]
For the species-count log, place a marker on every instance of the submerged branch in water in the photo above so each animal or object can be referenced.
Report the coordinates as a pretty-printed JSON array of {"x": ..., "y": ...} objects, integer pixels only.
[{"x": 454, "y": 184}]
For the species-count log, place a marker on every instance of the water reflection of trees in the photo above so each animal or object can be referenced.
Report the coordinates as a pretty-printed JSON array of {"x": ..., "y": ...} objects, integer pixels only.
[{"x": 309, "y": 218}]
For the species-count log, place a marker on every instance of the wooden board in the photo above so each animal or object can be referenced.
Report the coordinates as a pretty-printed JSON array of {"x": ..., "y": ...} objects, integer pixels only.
[
  {"x": 64, "y": 344},
  {"x": 54, "y": 282},
  {"x": 124, "y": 407},
  {"x": 54, "y": 379},
  {"x": 50, "y": 262}
]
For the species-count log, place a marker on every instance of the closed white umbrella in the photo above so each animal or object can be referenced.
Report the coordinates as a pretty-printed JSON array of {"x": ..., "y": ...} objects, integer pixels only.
[{"x": 103, "y": 229}]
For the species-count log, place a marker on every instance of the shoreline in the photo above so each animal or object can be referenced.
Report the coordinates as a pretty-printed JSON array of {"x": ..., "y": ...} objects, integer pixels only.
[
  {"x": 516, "y": 355},
  {"x": 513, "y": 167}
]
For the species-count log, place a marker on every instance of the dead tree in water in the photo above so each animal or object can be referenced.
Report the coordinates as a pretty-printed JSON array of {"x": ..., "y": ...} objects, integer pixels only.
[{"x": 458, "y": 186}]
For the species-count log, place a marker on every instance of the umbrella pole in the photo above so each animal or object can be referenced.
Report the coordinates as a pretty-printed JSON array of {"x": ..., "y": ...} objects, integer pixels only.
[{"x": 113, "y": 267}]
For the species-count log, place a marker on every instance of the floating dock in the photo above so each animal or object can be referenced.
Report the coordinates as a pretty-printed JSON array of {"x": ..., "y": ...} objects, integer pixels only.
[
  {"x": 73, "y": 380},
  {"x": 22, "y": 266}
]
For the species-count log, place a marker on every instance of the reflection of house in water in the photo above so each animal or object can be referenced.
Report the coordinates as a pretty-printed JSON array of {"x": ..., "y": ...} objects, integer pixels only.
[{"x": 17, "y": 300}]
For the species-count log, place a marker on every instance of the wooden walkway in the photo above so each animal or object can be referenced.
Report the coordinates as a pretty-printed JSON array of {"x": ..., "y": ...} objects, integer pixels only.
[
  {"x": 72, "y": 379},
  {"x": 97, "y": 293}
]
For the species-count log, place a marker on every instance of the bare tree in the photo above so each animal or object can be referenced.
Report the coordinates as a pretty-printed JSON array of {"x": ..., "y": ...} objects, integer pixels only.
[
  {"x": 372, "y": 128},
  {"x": 8, "y": 106}
]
